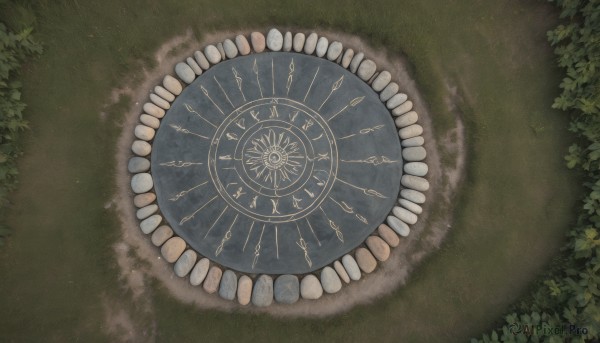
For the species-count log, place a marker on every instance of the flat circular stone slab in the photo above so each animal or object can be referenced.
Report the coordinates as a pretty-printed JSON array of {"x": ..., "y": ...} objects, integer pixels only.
[{"x": 276, "y": 163}]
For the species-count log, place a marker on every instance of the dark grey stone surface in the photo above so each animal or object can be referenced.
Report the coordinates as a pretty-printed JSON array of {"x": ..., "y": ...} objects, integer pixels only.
[{"x": 276, "y": 163}]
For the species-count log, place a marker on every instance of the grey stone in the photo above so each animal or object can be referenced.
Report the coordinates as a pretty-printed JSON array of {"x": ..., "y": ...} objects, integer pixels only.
[
  {"x": 242, "y": 45},
  {"x": 212, "y": 280},
  {"x": 142, "y": 200},
  {"x": 231, "y": 51},
  {"x": 274, "y": 40},
  {"x": 221, "y": 51},
  {"x": 414, "y": 154},
  {"x": 366, "y": 69},
  {"x": 212, "y": 54},
  {"x": 403, "y": 108},
  {"x": 150, "y": 224},
  {"x": 141, "y": 183},
  {"x": 410, "y": 131},
  {"x": 322, "y": 45},
  {"x": 365, "y": 260},
  {"x": 388, "y": 235},
  {"x": 161, "y": 234},
  {"x": 244, "y": 290},
  {"x": 351, "y": 267},
  {"x": 389, "y": 91},
  {"x": 378, "y": 247},
  {"x": 415, "y": 141},
  {"x": 356, "y": 60},
  {"x": 330, "y": 281},
  {"x": 262, "y": 294},
  {"x": 194, "y": 65},
  {"x": 228, "y": 286},
  {"x": 347, "y": 58},
  {"x": 287, "y": 41},
  {"x": 298, "y": 43},
  {"x": 381, "y": 81},
  {"x": 138, "y": 165},
  {"x": 185, "y": 263},
  {"x": 414, "y": 196},
  {"x": 172, "y": 85},
  {"x": 153, "y": 110},
  {"x": 185, "y": 72},
  {"x": 258, "y": 41},
  {"x": 141, "y": 148},
  {"x": 339, "y": 269},
  {"x": 150, "y": 121},
  {"x": 411, "y": 206},
  {"x": 311, "y": 43},
  {"x": 201, "y": 60},
  {"x": 407, "y": 119},
  {"x": 310, "y": 287},
  {"x": 405, "y": 215},
  {"x": 164, "y": 93},
  {"x": 146, "y": 212},
  {"x": 287, "y": 289},
  {"x": 416, "y": 168},
  {"x": 396, "y": 100},
  {"x": 415, "y": 182},
  {"x": 199, "y": 272},
  {"x": 144, "y": 132},
  {"x": 334, "y": 51},
  {"x": 172, "y": 249},
  {"x": 399, "y": 226}
]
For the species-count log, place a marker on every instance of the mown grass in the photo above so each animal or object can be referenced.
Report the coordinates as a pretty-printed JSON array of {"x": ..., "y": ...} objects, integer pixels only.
[{"x": 516, "y": 203}]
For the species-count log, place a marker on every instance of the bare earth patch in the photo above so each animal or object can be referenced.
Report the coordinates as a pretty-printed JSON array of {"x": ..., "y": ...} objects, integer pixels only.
[{"x": 425, "y": 236}]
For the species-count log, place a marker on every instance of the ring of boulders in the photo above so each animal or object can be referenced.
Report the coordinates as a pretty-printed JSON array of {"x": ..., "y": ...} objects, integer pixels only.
[{"x": 261, "y": 290}]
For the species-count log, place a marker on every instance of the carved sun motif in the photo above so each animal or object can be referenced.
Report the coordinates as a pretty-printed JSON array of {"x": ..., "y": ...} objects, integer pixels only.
[{"x": 274, "y": 157}]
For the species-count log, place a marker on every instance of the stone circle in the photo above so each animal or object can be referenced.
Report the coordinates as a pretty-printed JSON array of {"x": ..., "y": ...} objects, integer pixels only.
[{"x": 259, "y": 174}]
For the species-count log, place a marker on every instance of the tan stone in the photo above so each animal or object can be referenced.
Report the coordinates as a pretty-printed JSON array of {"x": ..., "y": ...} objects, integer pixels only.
[
  {"x": 388, "y": 235},
  {"x": 244, "y": 291},
  {"x": 365, "y": 260},
  {"x": 258, "y": 41},
  {"x": 213, "y": 279},
  {"x": 379, "y": 248},
  {"x": 172, "y": 249}
]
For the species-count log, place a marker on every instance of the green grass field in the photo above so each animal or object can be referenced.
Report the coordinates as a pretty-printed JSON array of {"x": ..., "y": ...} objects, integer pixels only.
[{"x": 516, "y": 203}]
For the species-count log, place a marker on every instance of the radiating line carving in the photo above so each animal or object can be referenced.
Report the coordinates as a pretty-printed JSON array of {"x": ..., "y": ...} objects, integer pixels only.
[
  {"x": 364, "y": 131},
  {"x": 374, "y": 160},
  {"x": 226, "y": 237},
  {"x": 180, "y": 164},
  {"x": 183, "y": 193},
  {"x": 302, "y": 244},
  {"x": 255, "y": 70},
  {"x": 257, "y": 248},
  {"x": 186, "y": 218},
  {"x": 238, "y": 81},
  {"x": 185, "y": 131},
  {"x": 211, "y": 100},
  {"x": 192, "y": 110},
  {"x": 370, "y": 192},
  {"x": 334, "y": 88},
  {"x": 334, "y": 226},
  {"x": 352, "y": 103},
  {"x": 311, "y": 83}
]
